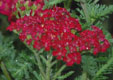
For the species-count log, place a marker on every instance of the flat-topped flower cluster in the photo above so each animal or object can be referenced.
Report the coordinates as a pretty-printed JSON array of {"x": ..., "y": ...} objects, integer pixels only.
[{"x": 52, "y": 29}]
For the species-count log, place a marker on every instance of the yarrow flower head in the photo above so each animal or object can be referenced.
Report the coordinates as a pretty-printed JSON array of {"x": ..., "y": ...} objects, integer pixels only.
[
  {"x": 52, "y": 30},
  {"x": 93, "y": 39},
  {"x": 13, "y": 8}
]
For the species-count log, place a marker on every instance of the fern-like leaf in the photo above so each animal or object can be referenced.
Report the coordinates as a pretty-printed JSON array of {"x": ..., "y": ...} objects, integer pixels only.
[
  {"x": 105, "y": 69},
  {"x": 62, "y": 77},
  {"x": 96, "y": 12},
  {"x": 21, "y": 67},
  {"x": 50, "y": 3},
  {"x": 89, "y": 65}
]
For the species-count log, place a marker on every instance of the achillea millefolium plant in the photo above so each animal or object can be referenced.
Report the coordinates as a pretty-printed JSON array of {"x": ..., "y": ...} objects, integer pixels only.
[{"x": 56, "y": 39}]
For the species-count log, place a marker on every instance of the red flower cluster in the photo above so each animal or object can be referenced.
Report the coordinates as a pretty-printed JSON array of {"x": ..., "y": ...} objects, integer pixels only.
[
  {"x": 8, "y": 7},
  {"x": 52, "y": 31},
  {"x": 94, "y": 39}
]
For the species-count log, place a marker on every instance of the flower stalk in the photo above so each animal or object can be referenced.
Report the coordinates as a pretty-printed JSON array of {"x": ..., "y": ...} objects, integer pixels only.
[
  {"x": 59, "y": 72},
  {"x": 84, "y": 7},
  {"x": 36, "y": 56},
  {"x": 40, "y": 65},
  {"x": 84, "y": 76},
  {"x": 6, "y": 73}
]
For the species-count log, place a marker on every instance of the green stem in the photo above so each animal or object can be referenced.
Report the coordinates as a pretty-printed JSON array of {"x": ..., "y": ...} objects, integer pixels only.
[
  {"x": 48, "y": 72},
  {"x": 40, "y": 65},
  {"x": 38, "y": 60},
  {"x": 48, "y": 69},
  {"x": 59, "y": 72},
  {"x": 5, "y": 71},
  {"x": 36, "y": 56},
  {"x": 84, "y": 7},
  {"x": 84, "y": 76}
]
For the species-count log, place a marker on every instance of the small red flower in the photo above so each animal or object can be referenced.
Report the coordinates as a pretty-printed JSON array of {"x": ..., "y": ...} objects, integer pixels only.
[
  {"x": 29, "y": 41},
  {"x": 60, "y": 53},
  {"x": 72, "y": 58}
]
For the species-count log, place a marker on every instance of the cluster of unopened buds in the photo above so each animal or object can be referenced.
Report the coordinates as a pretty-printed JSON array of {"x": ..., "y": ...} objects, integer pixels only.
[{"x": 52, "y": 29}]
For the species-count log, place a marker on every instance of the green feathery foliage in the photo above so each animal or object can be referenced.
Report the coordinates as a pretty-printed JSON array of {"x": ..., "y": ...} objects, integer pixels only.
[
  {"x": 50, "y": 3},
  {"x": 6, "y": 49},
  {"x": 89, "y": 65},
  {"x": 108, "y": 36},
  {"x": 99, "y": 12},
  {"x": 59, "y": 76},
  {"x": 37, "y": 75},
  {"x": 105, "y": 69},
  {"x": 22, "y": 66},
  {"x": 96, "y": 12},
  {"x": 19, "y": 65},
  {"x": 2, "y": 77}
]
